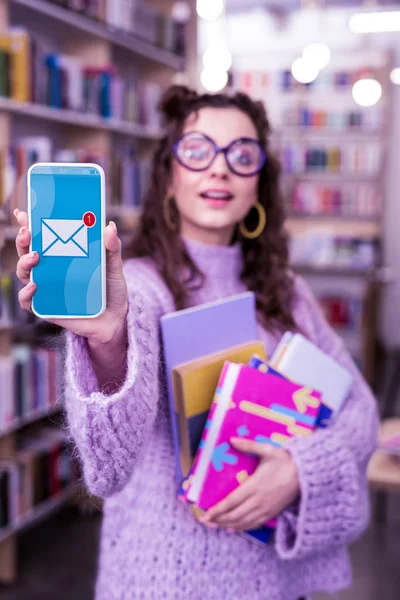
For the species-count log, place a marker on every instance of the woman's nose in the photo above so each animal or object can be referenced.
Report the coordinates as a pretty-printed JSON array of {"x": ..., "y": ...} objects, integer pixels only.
[{"x": 219, "y": 166}]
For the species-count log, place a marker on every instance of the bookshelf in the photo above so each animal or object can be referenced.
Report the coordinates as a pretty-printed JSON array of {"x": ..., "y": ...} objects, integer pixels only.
[
  {"x": 38, "y": 514},
  {"x": 140, "y": 59},
  {"x": 77, "y": 119},
  {"x": 133, "y": 43},
  {"x": 332, "y": 153}
]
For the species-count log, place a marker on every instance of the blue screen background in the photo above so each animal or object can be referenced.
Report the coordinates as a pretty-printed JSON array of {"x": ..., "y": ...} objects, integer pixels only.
[{"x": 66, "y": 285}]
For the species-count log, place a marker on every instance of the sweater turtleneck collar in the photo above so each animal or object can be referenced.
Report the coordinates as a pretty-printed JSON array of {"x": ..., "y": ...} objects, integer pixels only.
[{"x": 222, "y": 263}]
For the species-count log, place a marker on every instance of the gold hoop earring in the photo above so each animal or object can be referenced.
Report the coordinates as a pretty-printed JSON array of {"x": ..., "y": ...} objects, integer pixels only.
[
  {"x": 262, "y": 219},
  {"x": 167, "y": 215}
]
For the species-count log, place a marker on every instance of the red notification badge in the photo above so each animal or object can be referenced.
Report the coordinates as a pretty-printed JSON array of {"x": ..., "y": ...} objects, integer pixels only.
[{"x": 89, "y": 219}]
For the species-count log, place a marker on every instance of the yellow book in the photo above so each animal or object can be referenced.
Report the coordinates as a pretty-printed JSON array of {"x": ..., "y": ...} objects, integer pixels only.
[
  {"x": 194, "y": 386},
  {"x": 20, "y": 65}
]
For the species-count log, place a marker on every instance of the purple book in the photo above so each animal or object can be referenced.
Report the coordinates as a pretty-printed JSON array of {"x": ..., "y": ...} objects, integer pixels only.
[{"x": 196, "y": 332}]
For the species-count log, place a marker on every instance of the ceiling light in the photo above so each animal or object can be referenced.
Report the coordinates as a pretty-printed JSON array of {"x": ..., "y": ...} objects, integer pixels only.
[
  {"x": 317, "y": 54},
  {"x": 304, "y": 71},
  {"x": 218, "y": 57},
  {"x": 395, "y": 76},
  {"x": 367, "y": 92},
  {"x": 210, "y": 10},
  {"x": 377, "y": 22},
  {"x": 214, "y": 80}
]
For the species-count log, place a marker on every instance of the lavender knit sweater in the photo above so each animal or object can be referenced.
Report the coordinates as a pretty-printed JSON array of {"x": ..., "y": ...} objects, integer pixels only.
[{"x": 151, "y": 546}]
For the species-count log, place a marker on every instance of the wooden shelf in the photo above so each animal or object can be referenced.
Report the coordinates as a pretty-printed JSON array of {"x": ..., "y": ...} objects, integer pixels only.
[
  {"x": 31, "y": 418},
  {"x": 326, "y": 217},
  {"x": 78, "y": 119},
  {"x": 326, "y": 176},
  {"x": 330, "y": 133},
  {"x": 333, "y": 270},
  {"x": 39, "y": 513},
  {"x": 120, "y": 38}
]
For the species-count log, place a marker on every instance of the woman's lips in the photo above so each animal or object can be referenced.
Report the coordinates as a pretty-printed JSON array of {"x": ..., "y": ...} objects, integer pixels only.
[{"x": 217, "y": 198}]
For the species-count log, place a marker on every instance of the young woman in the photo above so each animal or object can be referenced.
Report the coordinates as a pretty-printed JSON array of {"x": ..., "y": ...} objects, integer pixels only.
[{"x": 212, "y": 226}]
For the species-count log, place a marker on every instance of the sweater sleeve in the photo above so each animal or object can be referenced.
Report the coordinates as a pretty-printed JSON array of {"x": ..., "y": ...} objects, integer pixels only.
[
  {"x": 333, "y": 508},
  {"x": 109, "y": 430}
]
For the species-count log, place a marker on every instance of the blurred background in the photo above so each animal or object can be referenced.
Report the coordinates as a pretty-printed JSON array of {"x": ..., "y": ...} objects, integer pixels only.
[{"x": 80, "y": 80}]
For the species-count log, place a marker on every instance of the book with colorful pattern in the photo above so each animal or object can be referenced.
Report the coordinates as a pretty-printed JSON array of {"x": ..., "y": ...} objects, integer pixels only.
[{"x": 251, "y": 404}]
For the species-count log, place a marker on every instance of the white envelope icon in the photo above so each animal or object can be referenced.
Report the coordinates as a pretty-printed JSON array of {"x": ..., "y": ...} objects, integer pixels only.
[{"x": 64, "y": 237}]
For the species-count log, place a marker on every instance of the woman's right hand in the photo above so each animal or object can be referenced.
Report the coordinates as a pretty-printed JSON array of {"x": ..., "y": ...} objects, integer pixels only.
[{"x": 111, "y": 324}]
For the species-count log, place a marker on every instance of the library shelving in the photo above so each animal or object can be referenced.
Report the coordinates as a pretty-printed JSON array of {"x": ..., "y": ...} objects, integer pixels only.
[
  {"x": 75, "y": 118},
  {"x": 119, "y": 67},
  {"x": 44, "y": 510},
  {"x": 332, "y": 153}
]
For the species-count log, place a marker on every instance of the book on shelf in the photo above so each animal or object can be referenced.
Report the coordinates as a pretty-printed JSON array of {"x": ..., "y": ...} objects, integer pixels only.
[
  {"x": 43, "y": 467},
  {"x": 306, "y": 118},
  {"x": 320, "y": 248},
  {"x": 263, "y": 82},
  {"x": 345, "y": 200},
  {"x": 31, "y": 383},
  {"x": 10, "y": 485},
  {"x": 342, "y": 311},
  {"x": 11, "y": 313},
  {"x": 133, "y": 17},
  {"x": 352, "y": 158},
  {"x": 66, "y": 82},
  {"x": 15, "y": 76}
]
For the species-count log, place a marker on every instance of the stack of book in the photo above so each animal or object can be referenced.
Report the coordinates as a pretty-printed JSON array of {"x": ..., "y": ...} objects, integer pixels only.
[
  {"x": 224, "y": 386},
  {"x": 31, "y": 382},
  {"x": 41, "y": 469}
]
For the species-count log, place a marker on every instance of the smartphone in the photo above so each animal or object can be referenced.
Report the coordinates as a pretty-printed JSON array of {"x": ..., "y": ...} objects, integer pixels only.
[{"x": 66, "y": 210}]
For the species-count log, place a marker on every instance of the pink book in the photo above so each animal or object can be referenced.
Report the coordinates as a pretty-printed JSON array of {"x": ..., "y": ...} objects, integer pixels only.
[{"x": 254, "y": 405}]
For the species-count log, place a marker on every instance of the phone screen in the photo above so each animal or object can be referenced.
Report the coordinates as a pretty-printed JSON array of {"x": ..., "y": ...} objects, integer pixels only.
[{"x": 66, "y": 206}]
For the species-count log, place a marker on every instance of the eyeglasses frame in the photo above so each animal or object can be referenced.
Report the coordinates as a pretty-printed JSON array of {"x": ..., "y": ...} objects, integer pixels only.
[{"x": 224, "y": 150}]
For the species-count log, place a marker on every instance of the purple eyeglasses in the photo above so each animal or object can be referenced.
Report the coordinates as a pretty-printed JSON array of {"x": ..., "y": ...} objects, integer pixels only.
[{"x": 196, "y": 151}]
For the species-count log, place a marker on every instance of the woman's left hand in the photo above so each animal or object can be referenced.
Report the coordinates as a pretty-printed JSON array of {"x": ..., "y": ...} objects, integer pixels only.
[{"x": 273, "y": 487}]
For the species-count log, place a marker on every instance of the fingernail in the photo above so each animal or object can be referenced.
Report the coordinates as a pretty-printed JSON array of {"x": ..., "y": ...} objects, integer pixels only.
[
  {"x": 32, "y": 254},
  {"x": 113, "y": 225},
  {"x": 22, "y": 231},
  {"x": 16, "y": 212}
]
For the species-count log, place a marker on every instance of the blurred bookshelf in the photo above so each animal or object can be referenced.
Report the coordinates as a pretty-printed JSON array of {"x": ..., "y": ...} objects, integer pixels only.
[
  {"x": 35, "y": 515},
  {"x": 332, "y": 153},
  {"x": 79, "y": 82}
]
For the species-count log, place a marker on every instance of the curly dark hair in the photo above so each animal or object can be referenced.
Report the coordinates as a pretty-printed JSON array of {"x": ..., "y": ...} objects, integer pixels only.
[{"x": 265, "y": 259}]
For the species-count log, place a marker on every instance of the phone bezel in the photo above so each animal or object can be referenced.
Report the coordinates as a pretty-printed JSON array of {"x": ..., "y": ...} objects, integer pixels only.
[{"x": 102, "y": 220}]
